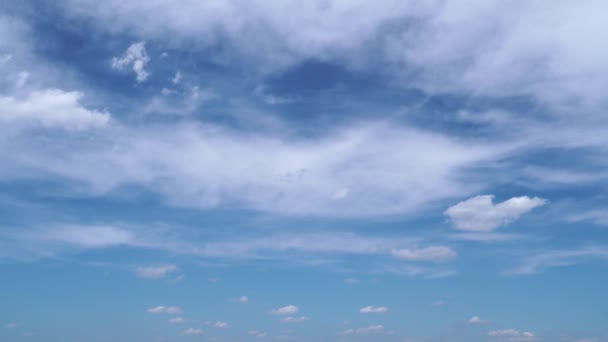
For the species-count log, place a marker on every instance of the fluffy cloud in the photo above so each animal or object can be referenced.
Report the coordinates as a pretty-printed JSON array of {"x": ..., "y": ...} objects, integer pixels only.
[
  {"x": 51, "y": 108},
  {"x": 177, "y": 320},
  {"x": 511, "y": 335},
  {"x": 480, "y": 214},
  {"x": 373, "y": 309},
  {"x": 172, "y": 310},
  {"x": 155, "y": 272},
  {"x": 135, "y": 56},
  {"x": 291, "y": 319},
  {"x": 192, "y": 331},
  {"x": 433, "y": 253},
  {"x": 286, "y": 310}
]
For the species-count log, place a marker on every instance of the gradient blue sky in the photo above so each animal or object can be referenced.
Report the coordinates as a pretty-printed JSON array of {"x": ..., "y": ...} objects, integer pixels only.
[{"x": 306, "y": 171}]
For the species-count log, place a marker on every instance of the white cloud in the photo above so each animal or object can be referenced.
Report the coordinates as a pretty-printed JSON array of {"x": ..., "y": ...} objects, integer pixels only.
[
  {"x": 51, "y": 108},
  {"x": 242, "y": 299},
  {"x": 135, "y": 56},
  {"x": 155, "y": 272},
  {"x": 373, "y": 309},
  {"x": 511, "y": 335},
  {"x": 94, "y": 236},
  {"x": 480, "y": 214},
  {"x": 291, "y": 319},
  {"x": 558, "y": 258},
  {"x": 177, "y": 78},
  {"x": 365, "y": 330},
  {"x": 192, "y": 331},
  {"x": 433, "y": 253},
  {"x": 172, "y": 310},
  {"x": 219, "y": 324},
  {"x": 257, "y": 333},
  {"x": 477, "y": 320},
  {"x": 286, "y": 310},
  {"x": 177, "y": 320}
]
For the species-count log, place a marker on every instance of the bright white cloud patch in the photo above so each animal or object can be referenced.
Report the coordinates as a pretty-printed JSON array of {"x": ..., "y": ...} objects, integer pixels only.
[
  {"x": 51, "y": 108},
  {"x": 136, "y": 57},
  {"x": 373, "y": 309},
  {"x": 286, "y": 310},
  {"x": 171, "y": 310},
  {"x": 88, "y": 236},
  {"x": 155, "y": 272},
  {"x": 481, "y": 214},
  {"x": 511, "y": 335},
  {"x": 434, "y": 253}
]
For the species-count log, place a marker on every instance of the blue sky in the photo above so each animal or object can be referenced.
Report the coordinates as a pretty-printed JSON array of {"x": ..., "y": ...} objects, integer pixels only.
[{"x": 317, "y": 171}]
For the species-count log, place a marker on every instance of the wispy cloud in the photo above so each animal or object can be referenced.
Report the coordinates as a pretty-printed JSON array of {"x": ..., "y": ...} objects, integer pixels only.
[{"x": 557, "y": 258}]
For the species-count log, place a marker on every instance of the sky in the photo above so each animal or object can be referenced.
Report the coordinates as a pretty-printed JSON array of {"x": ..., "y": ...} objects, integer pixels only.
[{"x": 326, "y": 170}]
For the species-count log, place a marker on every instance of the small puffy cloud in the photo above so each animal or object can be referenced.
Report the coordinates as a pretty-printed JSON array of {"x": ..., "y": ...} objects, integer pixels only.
[
  {"x": 433, "y": 253},
  {"x": 511, "y": 335},
  {"x": 135, "y": 56},
  {"x": 241, "y": 299},
  {"x": 192, "y": 331},
  {"x": 373, "y": 309},
  {"x": 365, "y": 330},
  {"x": 177, "y": 320},
  {"x": 177, "y": 78},
  {"x": 286, "y": 310},
  {"x": 291, "y": 319},
  {"x": 172, "y": 310},
  {"x": 477, "y": 320},
  {"x": 51, "y": 108},
  {"x": 481, "y": 214},
  {"x": 257, "y": 333},
  {"x": 155, "y": 272}
]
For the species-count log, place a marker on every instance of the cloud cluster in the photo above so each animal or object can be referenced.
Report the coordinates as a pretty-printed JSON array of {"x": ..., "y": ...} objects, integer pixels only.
[
  {"x": 479, "y": 214},
  {"x": 172, "y": 310},
  {"x": 373, "y": 309},
  {"x": 511, "y": 335},
  {"x": 137, "y": 57}
]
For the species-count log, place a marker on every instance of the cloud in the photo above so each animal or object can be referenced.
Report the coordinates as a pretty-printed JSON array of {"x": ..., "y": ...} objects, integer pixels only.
[
  {"x": 291, "y": 319},
  {"x": 155, "y": 272},
  {"x": 94, "y": 236},
  {"x": 219, "y": 324},
  {"x": 433, "y": 253},
  {"x": 511, "y": 335},
  {"x": 192, "y": 331},
  {"x": 365, "y": 330},
  {"x": 286, "y": 310},
  {"x": 172, "y": 310},
  {"x": 373, "y": 309},
  {"x": 51, "y": 108},
  {"x": 477, "y": 320},
  {"x": 135, "y": 56},
  {"x": 177, "y": 320},
  {"x": 558, "y": 258},
  {"x": 351, "y": 281},
  {"x": 11, "y": 326},
  {"x": 257, "y": 333},
  {"x": 241, "y": 299},
  {"x": 479, "y": 214}
]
